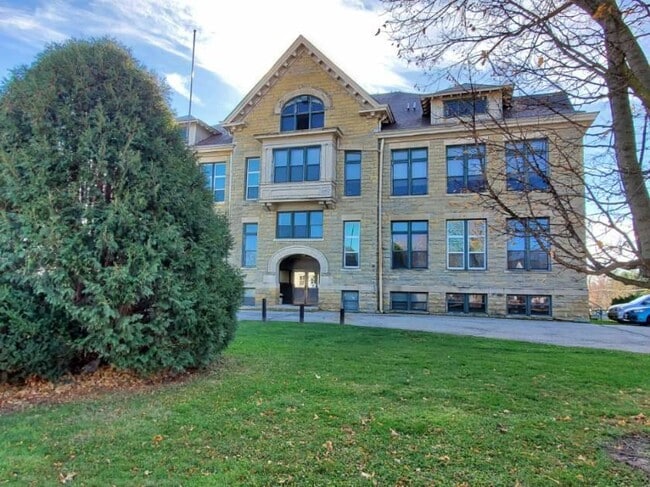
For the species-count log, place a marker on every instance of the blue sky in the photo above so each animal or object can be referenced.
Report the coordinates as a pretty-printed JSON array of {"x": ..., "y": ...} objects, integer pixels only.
[{"x": 236, "y": 43}]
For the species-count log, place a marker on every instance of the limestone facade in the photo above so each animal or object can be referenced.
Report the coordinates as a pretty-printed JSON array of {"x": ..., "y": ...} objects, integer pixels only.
[{"x": 290, "y": 235}]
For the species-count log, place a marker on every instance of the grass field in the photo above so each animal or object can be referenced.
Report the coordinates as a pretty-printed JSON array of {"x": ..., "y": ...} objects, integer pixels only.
[{"x": 315, "y": 405}]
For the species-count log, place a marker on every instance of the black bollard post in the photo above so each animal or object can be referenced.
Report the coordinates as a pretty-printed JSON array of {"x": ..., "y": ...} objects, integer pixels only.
[
  {"x": 342, "y": 316},
  {"x": 263, "y": 309},
  {"x": 302, "y": 313}
]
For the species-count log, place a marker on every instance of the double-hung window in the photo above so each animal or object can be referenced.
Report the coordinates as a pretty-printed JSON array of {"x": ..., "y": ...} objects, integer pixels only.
[
  {"x": 249, "y": 245},
  {"x": 352, "y": 173},
  {"x": 410, "y": 243},
  {"x": 215, "y": 179},
  {"x": 466, "y": 244},
  {"x": 527, "y": 165},
  {"x": 296, "y": 164},
  {"x": 351, "y": 240},
  {"x": 409, "y": 171},
  {"x": 252, "y": 178},
  {"x": 465, "y": 168},
  {"x": 528, "y": 245},
  {"x": 299, "y": 224}
]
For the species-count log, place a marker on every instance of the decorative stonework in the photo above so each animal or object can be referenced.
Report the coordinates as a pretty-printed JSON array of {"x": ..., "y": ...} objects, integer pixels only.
[{"x": 273, "y": 266}]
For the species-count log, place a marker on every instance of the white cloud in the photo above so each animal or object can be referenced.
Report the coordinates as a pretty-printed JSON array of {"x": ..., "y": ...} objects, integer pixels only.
[
  {"x": 240, "y": 41},
  {"x": 181, "y": 85},
  {"x": 33, "y": 29},
  {"x": 236, "y": 41}
]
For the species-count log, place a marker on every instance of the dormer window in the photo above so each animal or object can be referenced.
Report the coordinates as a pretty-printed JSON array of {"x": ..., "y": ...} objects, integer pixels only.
[
  {"x": 465, "y": 107},
  {"x": 301, "y": 113}
]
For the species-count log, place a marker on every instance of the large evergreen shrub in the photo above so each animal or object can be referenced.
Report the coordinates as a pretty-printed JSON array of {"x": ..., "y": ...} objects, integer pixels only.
[{"x": 109, "y": 246}]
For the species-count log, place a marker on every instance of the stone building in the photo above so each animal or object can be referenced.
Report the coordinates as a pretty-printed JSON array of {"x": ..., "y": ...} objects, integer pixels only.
[{"x": 336, "y": 197}]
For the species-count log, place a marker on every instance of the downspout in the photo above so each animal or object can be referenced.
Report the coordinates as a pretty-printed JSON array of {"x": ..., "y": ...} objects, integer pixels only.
[
  {"x": 230, "y": 195},
  {"x": 380, "y": 252}
]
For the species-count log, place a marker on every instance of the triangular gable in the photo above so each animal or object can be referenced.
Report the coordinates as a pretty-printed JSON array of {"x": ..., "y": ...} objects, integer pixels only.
[{"x": 370, "y": 106}]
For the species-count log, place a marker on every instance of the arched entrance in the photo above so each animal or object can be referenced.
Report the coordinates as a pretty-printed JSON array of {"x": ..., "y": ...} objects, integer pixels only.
[{"x": 299, "y": 278}]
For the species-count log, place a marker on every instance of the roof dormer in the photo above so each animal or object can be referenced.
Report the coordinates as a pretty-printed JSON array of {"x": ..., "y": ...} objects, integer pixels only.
[
  {"x": 466, "y": 102},
  {"x": 195, "y": 130}
]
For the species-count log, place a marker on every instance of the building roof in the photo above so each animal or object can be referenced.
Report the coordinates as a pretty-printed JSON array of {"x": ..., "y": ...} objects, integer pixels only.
[
  {"x": 409, "y": 115},
  {"x": 464, "y": 88},
  {"x": 192, "y": 119},
  {"x": 301, "y": 45},
  {"x": 220, "y": 137}
]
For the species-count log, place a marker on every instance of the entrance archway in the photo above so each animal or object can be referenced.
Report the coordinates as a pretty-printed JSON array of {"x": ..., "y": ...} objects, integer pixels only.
[{"x": 299, "y": 278}]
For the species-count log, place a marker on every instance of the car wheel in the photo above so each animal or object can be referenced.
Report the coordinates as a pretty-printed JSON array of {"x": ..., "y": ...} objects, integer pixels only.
[{"x": 647, "y": 321}]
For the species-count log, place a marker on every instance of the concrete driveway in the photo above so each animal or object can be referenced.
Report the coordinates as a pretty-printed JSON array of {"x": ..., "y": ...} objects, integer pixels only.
[{"x": 612, "y": 337}]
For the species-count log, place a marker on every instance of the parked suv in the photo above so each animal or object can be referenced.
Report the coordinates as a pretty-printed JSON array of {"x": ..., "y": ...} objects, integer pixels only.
[{"x": 617, "y": 312}]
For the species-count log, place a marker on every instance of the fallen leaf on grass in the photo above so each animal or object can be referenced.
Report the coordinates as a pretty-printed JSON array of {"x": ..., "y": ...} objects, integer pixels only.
[{"x": 67, "y": 477}]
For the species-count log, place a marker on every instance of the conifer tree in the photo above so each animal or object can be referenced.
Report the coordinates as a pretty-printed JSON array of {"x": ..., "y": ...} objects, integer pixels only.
[{"x": 109, "y": 246}]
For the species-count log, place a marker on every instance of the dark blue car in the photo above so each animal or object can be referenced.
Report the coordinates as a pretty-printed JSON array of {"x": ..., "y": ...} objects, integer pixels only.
[{"x": 640, "y": 316}]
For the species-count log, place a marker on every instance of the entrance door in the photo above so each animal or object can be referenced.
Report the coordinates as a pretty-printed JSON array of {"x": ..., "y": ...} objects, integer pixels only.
[
  {"x": 305, "y": 287},
  {"x": 299, "y": 275}
]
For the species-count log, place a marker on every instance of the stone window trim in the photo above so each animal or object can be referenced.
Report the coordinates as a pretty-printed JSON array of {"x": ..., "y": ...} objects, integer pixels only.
[
  {"x": 282, "y": 101},
  {"x": 303, "y": 112},
  {"x": 323, "y": 189}
]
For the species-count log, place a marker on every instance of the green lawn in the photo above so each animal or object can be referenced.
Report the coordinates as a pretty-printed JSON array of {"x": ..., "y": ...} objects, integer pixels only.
[{"x": 330, "y": 405}]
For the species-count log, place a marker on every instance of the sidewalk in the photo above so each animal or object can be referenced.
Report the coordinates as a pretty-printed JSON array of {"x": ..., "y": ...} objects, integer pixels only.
[{"x": 612, "y": 337}]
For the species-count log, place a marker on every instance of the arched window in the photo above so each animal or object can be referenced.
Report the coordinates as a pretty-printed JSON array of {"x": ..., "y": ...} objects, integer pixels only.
[{"x": 302, "y": 112}]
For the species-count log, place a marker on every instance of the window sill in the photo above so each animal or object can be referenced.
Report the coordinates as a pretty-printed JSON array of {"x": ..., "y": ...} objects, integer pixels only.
[
  {"x": 408, "y": 312},
  {"x": 485, "y": 269},
  {"x": 421, "y": 269},
  {"x": 521, "y": 271},
  {"x": 294, "y": 239},
  {"x": 469, "y": 193},
  {"x": 399, "y": 196}
]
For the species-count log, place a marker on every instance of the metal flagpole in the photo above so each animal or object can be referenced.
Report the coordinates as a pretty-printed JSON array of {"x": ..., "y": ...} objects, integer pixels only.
[{"x": 189, "y": 113}]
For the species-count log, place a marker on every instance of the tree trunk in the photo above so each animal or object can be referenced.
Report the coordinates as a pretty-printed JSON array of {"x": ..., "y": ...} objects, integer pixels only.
[{"x": 630, "y": 169}]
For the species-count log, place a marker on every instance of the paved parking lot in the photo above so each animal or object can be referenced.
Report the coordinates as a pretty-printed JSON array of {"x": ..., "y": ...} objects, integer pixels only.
[{"x": 613, "y": 337}]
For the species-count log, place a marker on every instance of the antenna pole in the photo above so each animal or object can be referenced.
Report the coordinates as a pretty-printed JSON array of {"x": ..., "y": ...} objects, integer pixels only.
[{"x": 189, "y": 113}]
